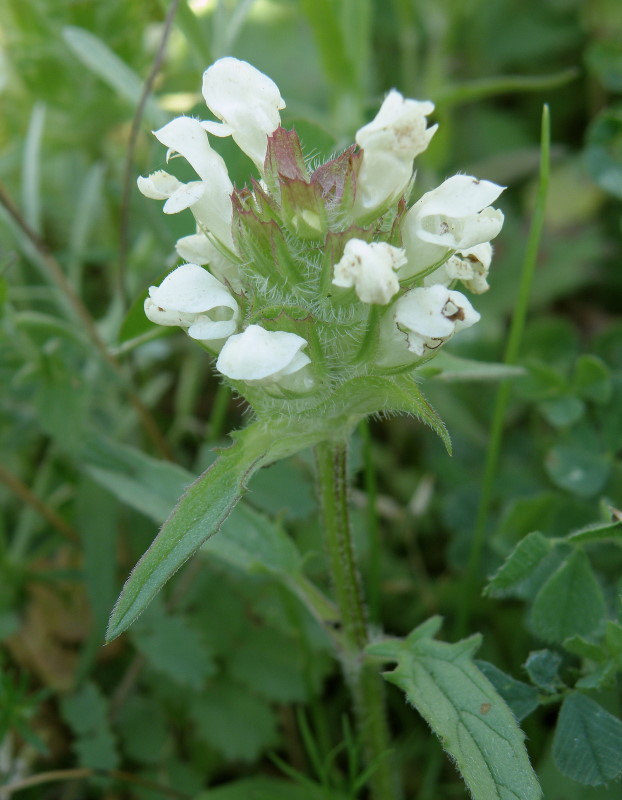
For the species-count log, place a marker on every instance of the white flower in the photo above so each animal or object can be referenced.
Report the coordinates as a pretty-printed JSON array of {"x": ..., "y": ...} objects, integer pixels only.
[
  {"x": 260, "y": 356},
  {"x": 197, "y": 249},
  {"x": 422, "y": 320},
  {"x": 247, "y": 102},
  {"x": 370, "y": 268},
  {"x": 390, "y": 142},
  {"x": 469, "y": 266},
  {"x": 454, "y": 216},
  {"x": 210, "y": 198},
  {"x": 192, "y": 298}
]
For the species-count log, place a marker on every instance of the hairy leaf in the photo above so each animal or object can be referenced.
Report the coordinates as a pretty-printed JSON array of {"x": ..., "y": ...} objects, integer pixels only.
[{"x": 462, "y": 707}]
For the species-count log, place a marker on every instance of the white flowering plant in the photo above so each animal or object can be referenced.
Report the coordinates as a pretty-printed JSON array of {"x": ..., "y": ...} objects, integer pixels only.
[{"x": 319, "y": 291}]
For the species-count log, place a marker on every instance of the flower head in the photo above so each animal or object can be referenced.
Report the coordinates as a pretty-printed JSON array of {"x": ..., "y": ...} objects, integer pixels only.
[
  {"x": 469, "y": 266},
  {"x": 370, "y": 269},
  {"x": 247, "y": 102},
  {"x": 193, "y": 299},
  {"x": 390, "y": 142}
]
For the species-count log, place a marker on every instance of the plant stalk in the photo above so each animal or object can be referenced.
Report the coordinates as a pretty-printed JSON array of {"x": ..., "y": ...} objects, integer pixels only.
[{"x": 363, "y": 680}]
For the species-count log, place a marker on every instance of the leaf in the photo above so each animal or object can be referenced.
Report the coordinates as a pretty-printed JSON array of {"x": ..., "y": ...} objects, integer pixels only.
[
  {"x": 580, "y": 471},
  {"x": 86, "y": 713},
  {"x": 174, "y": 649},
  {"x": 234, "y": 722},
  {"x": 521, "y": 562},
  {"x": 268, "y": 789},
  {"x": 588, "y": 742},
  {"x": 569, "y": 602},
  {"x": 206, "y": 504},
  {"x": 462, "y": 707},
  {"x": 449, "y": 368},
  {"x": 106, "y": 64},
  {"x": 602, "y": 153},
  {"x": 542, "y": 666},
  {"x": 250, "y": 541},
  {"x": 592, "y": 379},
  {"x": 149, "y": 485},
  {"x": 598, "y": 532},
  {"x": 520, "y": 697}
]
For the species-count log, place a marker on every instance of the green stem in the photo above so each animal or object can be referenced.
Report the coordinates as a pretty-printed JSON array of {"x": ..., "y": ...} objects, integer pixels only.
[
  {"x": 503, "y": 393},
  {"x": 364, "y": 681}
]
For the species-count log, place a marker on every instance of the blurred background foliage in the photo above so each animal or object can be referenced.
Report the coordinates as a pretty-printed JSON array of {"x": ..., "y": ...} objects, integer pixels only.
[{"x": 227, "y": 682}]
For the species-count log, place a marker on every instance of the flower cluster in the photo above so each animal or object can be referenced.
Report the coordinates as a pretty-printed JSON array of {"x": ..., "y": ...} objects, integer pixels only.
[{"x": 306, "y": 278}]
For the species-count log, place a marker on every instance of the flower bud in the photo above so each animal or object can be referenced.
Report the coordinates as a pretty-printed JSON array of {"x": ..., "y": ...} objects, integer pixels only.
[
  {"x": 370, "y": 269},
  {"x": 390, "y": 143}
]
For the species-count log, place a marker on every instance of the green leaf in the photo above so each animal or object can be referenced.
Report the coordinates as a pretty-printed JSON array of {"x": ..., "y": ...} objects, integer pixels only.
[
  {"x": 251, "y": 541},
  {"x": 569, "y": 602},
  {"x": 520, "y": 697},
  {"x": 592, "y": 379},
  {"x": 207, "y": 503},
  {"x": 563, "y": 410},
  {"x": 521, "y": 562},
  {"x": 598, "y": 532},
  {"x": 580, "y": 471},
  {"x": 602, "y": 154},
  {"x": 462, "y": 707},
  {"x": 143, "y": 729},
  {"x": 149, "y": 485},
  {"x": 269, "y": 789},
  {"x": 174, "y": 649},
  {"x": 106, "y": 64},
  {"x": 449, "y": 368},
  {"x": 234, "y": 722},
  {"x": 86, "y": 713},
  {"x": 542, "y": 666},
  {"x": 588, "y": 742}
]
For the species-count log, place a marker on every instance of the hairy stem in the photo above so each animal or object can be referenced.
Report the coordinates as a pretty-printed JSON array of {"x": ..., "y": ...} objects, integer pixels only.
[{"x": 363, "y": 680}]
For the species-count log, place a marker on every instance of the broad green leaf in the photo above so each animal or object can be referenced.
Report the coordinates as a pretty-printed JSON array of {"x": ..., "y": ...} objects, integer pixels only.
[
  {"x": 143, "y": 729},
  {"x": 588, "y": 742},
  {"x": 86, "y": 713},
  {"x": 106, "y": 64},
  {"x": 520, "y": 697},
  {"x": 269, "y": 789},
  {"x": 175, "y": 649},
  {"x": 521, "y": 562},
  {"x": 577, "y": 470},
  {"x": 592, "y": 379},
  {"x": 563, "y": 410},
  {"x": 569, "y": 602},
  {"x": 462, "y": 707},
  {"x": 602, "y": 154},
  {"x": 542, "y": 666},
  {"x": 234, "y": 721}
]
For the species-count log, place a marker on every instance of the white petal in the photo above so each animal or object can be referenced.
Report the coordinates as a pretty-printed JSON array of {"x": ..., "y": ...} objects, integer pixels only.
[
  {"x": 192, "y": 290},
  {"x": 390, "y": 142},
  {"x": 458, "y": 196},
  {"x": 431, "y": 315},
  {"x": 247, "y": 101},
  {"x": 185, "y": 135},
  {"x": 163, "y": 316},
  {"x": 184, "y": 197},
  {"x": 159, "y": 185},
  {"x": 370, "y": 268},
  {"x": 195, "y": 249},
  {"x": 206, "y": 330},
  {"x": 219, "y": 129},
  {"x": 260, "y": 355}
]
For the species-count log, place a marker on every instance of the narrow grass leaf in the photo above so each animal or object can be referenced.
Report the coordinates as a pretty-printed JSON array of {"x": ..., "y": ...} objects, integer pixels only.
[
  {"x": 462, "y": 707},
  {"x": 31, "y": 169},
  {"x": 106, "y": 64}
]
